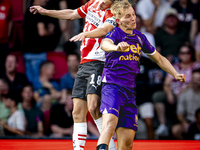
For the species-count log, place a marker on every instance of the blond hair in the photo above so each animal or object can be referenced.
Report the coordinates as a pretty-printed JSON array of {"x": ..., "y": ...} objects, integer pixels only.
[{"x": 118, "y": 8}]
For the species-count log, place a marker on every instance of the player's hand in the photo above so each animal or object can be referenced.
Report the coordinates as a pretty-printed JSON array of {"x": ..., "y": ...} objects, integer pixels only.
[
  {"x": 78, "y": 37},
  {"x": 180, "y": 77},
  {"x": 37, "y": 9},
  {"x": 122, "y": 47}
]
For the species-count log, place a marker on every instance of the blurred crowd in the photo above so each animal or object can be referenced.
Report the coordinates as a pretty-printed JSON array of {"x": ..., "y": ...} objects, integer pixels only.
[{"x": 38, "y": 66}]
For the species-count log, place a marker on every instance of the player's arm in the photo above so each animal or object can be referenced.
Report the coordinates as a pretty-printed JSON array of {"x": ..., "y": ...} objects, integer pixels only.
[
  {"x": 67, "y": 14},
  {"x": 166, "y": 66},
  {"x": 96, "y": 33},
  {"x": 109, "y": 46}
]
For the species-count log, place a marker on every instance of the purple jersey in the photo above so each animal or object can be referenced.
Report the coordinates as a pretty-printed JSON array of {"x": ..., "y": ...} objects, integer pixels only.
[{"x": 122, "y": 67}]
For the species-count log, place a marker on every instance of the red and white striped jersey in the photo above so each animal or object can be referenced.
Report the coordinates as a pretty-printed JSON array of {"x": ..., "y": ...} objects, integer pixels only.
[{"x": 90, "y": 47}]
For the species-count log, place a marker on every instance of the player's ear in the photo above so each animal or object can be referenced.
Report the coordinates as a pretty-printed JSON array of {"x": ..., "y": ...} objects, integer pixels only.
[{"x": 117, "y": 20}]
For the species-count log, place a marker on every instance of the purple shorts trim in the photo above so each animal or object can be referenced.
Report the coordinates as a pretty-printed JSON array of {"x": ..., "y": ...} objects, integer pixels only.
[{"x": 120, "y": 101}]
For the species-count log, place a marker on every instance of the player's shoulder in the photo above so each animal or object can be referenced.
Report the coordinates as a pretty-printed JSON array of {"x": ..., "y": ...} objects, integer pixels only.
[
  {"x": 116, "y": 30},
  {"x": 91, "y": 1},
  {"x": 115, "y": 33},
  {"x": 139, "y": 34}
]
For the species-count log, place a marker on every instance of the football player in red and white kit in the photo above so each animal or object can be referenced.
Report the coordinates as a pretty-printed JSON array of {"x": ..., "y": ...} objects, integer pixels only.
[{"x": 87, "y": 86}]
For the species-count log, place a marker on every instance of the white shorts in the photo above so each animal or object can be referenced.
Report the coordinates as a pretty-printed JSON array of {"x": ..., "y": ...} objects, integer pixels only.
[{"x": 146, "y": 110}]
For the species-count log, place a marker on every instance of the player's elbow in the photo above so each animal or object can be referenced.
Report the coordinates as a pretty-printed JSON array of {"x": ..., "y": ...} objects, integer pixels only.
[
  {"x": 104, "y": 32},
  {"x": 73, "y": 15}
]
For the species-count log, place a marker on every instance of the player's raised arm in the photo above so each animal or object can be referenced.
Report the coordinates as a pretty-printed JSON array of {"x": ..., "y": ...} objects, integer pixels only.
[
  {"x": 166, "y": 66},
  {"x": 96, "y": 33},
  {"x": 108, "y": 46},
  {"x": 67, "y": 14}
]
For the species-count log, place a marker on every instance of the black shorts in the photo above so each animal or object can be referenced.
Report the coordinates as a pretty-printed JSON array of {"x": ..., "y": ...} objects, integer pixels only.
[{"x": 88, "y": 80}]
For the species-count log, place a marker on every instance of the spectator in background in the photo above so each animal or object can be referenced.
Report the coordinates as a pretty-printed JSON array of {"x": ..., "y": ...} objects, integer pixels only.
[
  {"x": 197, "y": 47},
  {"x": 4, "y": 111},
  {"x": 170, "y": 38},
  {"x": 188, "y": 17},
  {"x": 16, "y": 80},
  {"x": 144, "y": 102},
  {"x": 152, "y": 12},
  {"x": 5, "y": 26},
  {"x": 44, "y": 85},
  {"x": 18, "y": 9},
  {"x": 173, "y": 89},
  {"x": 40, "y": 36},
  {"x": 60, "y": 25},
  {"x": 33, "y": 115},
  {"x": 74, "y": 27},
  {"x": 45, "y": 108},
  {"x": 16, "y": 120},
  {"x": 61, "y": 120},
  {"x": 67, "y": 81},
  {"x": 188, "y": 102},
  {"x": 194, "y": 129}
]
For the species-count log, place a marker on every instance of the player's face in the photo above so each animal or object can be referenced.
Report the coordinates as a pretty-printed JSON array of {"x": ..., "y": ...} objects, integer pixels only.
[
  {"x": 128, "y": 20},
  {"x": 104, "y": 4}
]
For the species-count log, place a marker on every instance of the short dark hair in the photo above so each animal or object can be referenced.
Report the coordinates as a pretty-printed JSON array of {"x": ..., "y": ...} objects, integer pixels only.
[
  {"x": 47, "y": 62},
  {"x": 13, "y": 95},
  {"x": 76, "y": 54},
  {"x": 29, "y": 85}
]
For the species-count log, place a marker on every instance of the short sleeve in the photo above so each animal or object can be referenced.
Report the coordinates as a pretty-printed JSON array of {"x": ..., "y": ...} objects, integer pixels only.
[
  {"x": 20, "y": 121},
  {"x": 147, "y": 47},
  {"x": 113, "y": 35},
  {"x": 82, "y": 11},
  {"x": 111, "y": 21}
]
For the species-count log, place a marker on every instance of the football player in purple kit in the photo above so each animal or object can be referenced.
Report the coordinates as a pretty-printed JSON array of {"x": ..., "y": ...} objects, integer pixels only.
[{"x": 123, "y": 48}]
